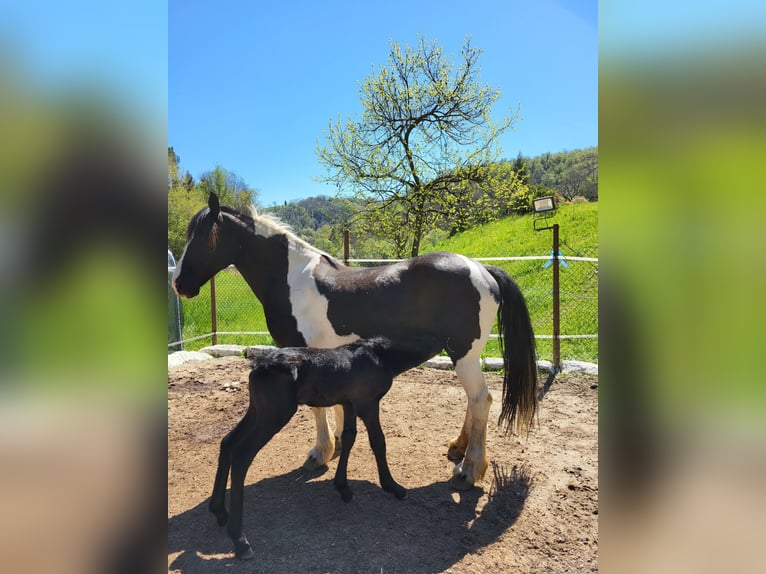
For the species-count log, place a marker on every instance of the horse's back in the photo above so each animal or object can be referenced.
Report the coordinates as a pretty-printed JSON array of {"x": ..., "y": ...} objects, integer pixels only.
[{"x": 441, "y": 294}]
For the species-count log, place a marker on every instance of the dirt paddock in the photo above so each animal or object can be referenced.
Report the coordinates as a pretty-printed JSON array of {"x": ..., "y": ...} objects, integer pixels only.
[{"x": 536, "y": 511}]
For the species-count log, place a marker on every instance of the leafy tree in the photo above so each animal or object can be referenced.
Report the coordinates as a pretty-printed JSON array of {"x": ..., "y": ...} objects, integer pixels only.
[
  {"x": 570, "y": 174},
  {"x": 182, "y": 205},
  {"x": 426, "y": 129},
  {"x": 173, "y": 168},
  {"x": 230, "y": 188},
  {"x": 184, "y": 200},
  {"x": 175, "y": 178}
]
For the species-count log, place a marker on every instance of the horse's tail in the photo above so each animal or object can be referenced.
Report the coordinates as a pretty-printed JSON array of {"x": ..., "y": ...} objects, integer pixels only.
[{"x": 517, "y": 344}]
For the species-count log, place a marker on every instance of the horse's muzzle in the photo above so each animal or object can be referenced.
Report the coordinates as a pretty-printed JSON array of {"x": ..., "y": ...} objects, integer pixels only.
[{"x": 184, "y": 290}]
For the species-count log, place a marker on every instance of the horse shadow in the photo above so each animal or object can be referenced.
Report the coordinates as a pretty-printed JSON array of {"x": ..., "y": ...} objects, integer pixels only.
[{"x": 297, "y": 523}]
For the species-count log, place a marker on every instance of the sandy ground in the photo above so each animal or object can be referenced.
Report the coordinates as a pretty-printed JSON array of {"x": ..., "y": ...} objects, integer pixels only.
[{"x": 536, "y": 511}]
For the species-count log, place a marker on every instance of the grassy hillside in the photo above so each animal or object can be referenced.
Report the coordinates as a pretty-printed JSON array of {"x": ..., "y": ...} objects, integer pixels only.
[
  {"x": 515, "y": 236},
  {"x": 239, "y": 310}
]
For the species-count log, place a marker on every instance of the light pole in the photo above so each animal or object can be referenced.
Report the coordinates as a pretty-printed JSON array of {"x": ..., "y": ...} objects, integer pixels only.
[{"x": 544, "y": 208}]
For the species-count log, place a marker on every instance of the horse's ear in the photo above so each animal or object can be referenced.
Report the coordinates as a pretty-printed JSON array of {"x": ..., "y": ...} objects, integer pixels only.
[{"x": 212, "y": 203}]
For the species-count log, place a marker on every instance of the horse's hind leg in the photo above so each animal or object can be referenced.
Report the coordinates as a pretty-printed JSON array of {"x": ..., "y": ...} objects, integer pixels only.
[
  {"x": 471, "y": 470},
  {"x": 324, "y": 449},
  {"x": 218, "y": 499},
  {"x": 371, "y": 419}
]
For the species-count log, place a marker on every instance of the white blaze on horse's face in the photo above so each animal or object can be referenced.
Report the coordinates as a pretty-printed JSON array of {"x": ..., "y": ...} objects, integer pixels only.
[
  {"x": 188, "y": 285},
  {"x": 177, "y": 272}
]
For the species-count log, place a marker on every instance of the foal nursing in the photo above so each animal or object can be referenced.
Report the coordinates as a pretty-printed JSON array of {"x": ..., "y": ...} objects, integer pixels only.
[{"x": 356, "y": 376}]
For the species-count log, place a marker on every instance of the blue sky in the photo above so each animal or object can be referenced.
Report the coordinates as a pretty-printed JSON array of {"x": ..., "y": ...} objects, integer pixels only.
[{"x": 253, "y": 85}]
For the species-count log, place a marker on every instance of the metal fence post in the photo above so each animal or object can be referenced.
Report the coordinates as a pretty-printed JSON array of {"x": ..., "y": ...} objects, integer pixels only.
[
  {"x": 556, "y": 308},
  {"x": 213, "y": 312}
]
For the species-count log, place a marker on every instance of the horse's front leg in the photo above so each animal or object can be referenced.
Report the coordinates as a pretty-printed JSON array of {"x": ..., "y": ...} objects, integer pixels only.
[
  {"x": 471, "y": 470},
  {"x": 324, "y": 449}
]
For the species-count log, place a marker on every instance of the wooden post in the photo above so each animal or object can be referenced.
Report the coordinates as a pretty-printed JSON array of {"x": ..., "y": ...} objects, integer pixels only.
[
  {"x": 556, "y": 309},
  {"x": 213, "y": 312},
  {"x": 345, "y": 247}
]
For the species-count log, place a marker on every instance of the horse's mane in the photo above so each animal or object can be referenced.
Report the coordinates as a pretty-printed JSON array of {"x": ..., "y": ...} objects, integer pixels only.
[{"x": 269, "y": 224}]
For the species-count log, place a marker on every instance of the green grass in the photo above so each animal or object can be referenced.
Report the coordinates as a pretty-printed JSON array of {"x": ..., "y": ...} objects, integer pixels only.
[
  {"x": 515, "y": 236},
  {"x": 239, "y": 310}
]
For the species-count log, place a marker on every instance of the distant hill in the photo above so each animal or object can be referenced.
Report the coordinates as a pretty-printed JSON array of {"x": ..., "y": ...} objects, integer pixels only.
[
  {"x": 569, "y": 173},
  {"x": 313, "y": 212}
]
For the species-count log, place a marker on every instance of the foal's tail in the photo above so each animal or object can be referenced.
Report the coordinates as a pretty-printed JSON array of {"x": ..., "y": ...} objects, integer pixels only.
[{"x": 517, "y": 343}]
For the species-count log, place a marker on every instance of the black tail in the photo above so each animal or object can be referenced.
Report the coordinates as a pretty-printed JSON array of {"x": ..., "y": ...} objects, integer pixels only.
[{"x": 517, "y": 344}]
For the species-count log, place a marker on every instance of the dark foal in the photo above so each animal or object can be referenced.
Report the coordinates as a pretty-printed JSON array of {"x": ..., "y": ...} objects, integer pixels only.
[{"x": 356, "y": 376}]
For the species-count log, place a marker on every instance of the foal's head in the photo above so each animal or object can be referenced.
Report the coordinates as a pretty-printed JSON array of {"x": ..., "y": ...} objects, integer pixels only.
[{"x": 211, "y": 246}]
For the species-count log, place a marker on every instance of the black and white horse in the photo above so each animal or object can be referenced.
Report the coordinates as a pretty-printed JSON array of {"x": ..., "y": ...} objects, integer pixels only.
[
  {"x": 311, "y": 299},
  {"x": 356, "y": 376}
]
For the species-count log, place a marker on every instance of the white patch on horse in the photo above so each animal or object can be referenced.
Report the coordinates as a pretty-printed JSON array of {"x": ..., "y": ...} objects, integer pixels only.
[
  {"x": 483, "y": 283},
  {"x": 309, "y": 306}
]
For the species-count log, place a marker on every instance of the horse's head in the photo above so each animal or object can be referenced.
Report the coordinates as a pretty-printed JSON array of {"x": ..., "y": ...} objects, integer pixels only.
[{"x": 209, "y": 249}]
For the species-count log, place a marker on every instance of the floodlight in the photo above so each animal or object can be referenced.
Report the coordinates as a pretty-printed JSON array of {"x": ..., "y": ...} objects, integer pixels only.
[
  {"x": 543, "y": 204},
  {"x": 544, "y": 208}
]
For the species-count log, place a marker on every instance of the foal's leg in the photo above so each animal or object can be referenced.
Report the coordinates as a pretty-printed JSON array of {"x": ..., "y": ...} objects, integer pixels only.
[
  {"x": 266, "y": 425},
  {"x": 218, "y": 499},
  {"x": 338, "y": 425},
  {"x": 471, "y": 470},
  {"x": 371, "y": 418},
  {"x": 347, "y": 441},
  {"x": 324, "y": 449}
]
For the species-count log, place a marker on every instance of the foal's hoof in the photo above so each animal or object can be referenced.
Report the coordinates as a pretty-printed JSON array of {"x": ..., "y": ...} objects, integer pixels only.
[
  {"x": 345, "y": 492},
  {"x": 399, "y": 491},
  {"x": 242, "y": 549},
  {"x": 221, "y": 517}
]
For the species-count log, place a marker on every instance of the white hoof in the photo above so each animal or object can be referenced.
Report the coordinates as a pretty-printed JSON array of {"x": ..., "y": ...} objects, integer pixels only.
[
  {"x": 462, "y": 477},
  {"x": 319, "y": 457}
]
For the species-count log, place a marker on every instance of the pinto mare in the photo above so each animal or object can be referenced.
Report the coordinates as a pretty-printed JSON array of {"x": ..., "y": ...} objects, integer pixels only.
[
  {"x": 356, "y": 376},
  {"x": 311, "y": 299}
]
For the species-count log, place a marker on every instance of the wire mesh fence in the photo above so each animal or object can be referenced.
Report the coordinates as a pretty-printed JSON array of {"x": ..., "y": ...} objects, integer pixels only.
[{"x": 240, "y": 318}]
